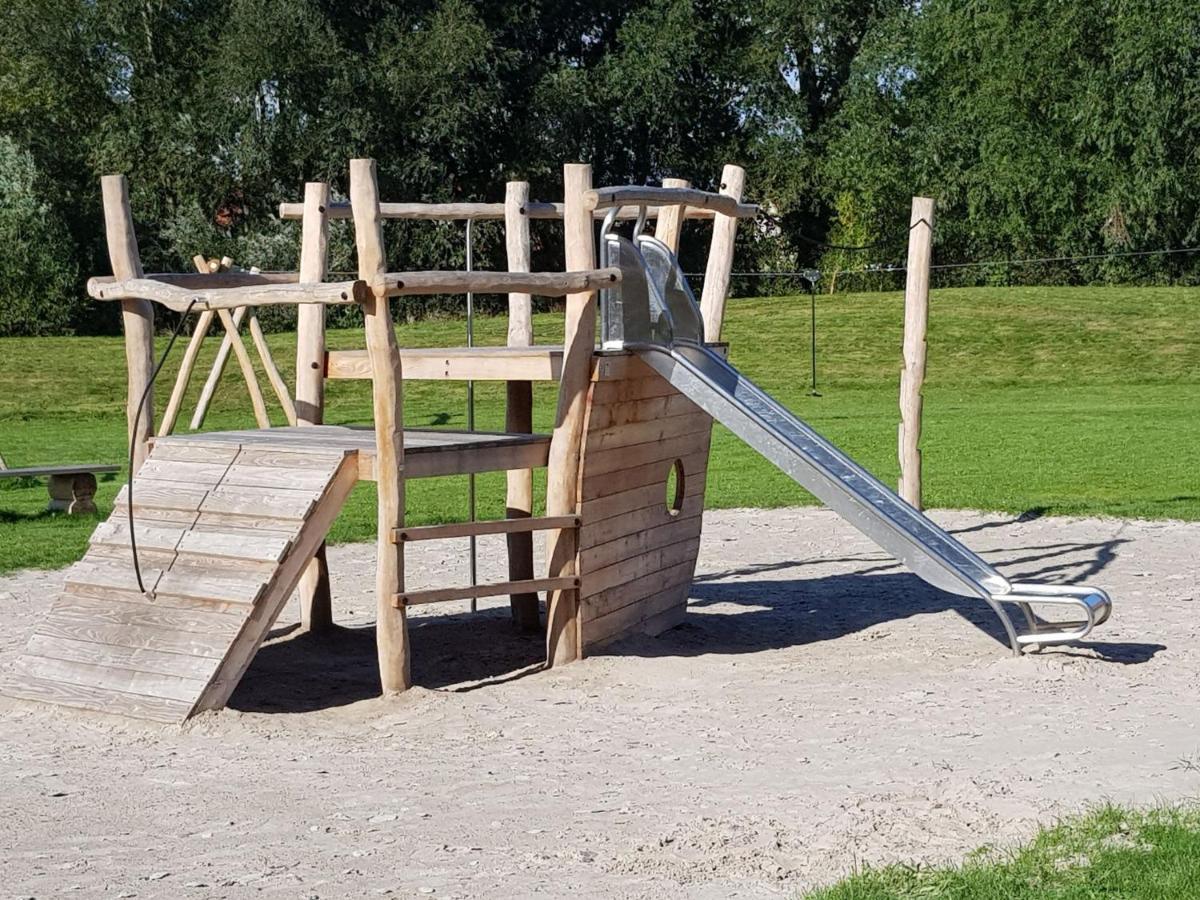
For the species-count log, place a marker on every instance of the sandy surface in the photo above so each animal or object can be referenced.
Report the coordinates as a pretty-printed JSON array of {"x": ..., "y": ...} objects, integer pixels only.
[{"x": 819, "y": 709}]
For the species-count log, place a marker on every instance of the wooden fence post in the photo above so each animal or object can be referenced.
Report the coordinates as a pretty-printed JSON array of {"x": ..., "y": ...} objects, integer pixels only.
[
  {"x": 518, "y": 411},
  {"x": 562, "y": 474},
  {"x": 137, "y": 316},
  {"x": 391, "y": 626},
  {"x": 720, "y": 257},
  {"x": 916, "y": 321}
]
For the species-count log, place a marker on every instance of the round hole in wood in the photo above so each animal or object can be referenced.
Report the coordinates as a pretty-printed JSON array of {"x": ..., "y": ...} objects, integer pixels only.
[{"x": 675, "y": 488}]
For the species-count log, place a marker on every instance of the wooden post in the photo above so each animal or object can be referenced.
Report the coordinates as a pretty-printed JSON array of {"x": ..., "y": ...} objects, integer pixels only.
[
  {"x": 916, "y": 321},
  {"x": 247, "y": 367},
  {"x": 203, "y": 324},
  {"x": 670, "y": 218},
  {"x": 316, "y": 606},
  {"x": 391, "y": 629},
  {"x": 137, "y": 316},
  {"x": 518, "y": 413},
  {"x": 720, "y": 257},
  {"x": 562, "y": 474},
  {"x": 217, "y": 370}
]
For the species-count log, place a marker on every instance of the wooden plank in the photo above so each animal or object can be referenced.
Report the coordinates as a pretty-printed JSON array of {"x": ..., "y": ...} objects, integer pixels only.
[
  {"x": 149, "y": 536},
  {"x": 166, "y": 640},
  {"x": 621, "y": 366},
  {"x": 654, "y": 431},
  {"x": 245, "y": 500},
  {"x": 499, "y": 526},
  {"x": 41, "y": 471},
  {"x": 655, "y": 472},
  {"x": 162, "y": 495},
  {"x": 636, "y": 522},
  {"x": 425, "y": 463},
  {"x": 166, "y": 601},
  {"x": 102, "y": 675},
  {"x": 310, "y": 480},
  {"x": 646, "y": 496},
  {"x": 196, "y": 451},
  {"x": 606, "y": 392},
  {"x": 599, "y": 581},
  {"x": 137, "y": 659},
  {"x": 725, "y": 203},
  {"x": 635, "y": 411},
  {"x": 194, "y": 473},
  {"x": 228, "y": 545},
  {"x": 496, "y": 589},
  {"x": 234, "y": 522},
  {"x": 326, "y": 461},
  {"x": 660, "y": 529},
  {"x": 603, "y": 462},
  {"x": 109, "y": 575},
  {"x": 661, "y": 609},
  {"x": 205, "y": 583},
  {"x": 97, "y": 699},
  {"x": 80, "y": 610},
  {"x": 456, "y": 364},
  {"x": 639, "y": 591}
]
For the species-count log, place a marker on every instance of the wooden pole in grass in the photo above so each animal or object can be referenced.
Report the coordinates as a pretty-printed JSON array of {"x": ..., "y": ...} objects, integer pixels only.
[
  {"x": 391, "y": 626},
  {"x": 316, "y": 608},
  {"x": 562, "y": 473},
  {"x": 916, "y": 322},
  {"x": 518, "y": 410},
  {"x": 137, "y": 316}
]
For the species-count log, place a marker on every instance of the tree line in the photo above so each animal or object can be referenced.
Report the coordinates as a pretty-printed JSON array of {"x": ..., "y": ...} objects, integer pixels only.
[{"x": 1042, "y": 128}]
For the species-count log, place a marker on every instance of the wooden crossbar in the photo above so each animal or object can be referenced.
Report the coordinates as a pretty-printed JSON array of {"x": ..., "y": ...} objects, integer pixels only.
[
  {"x": 459, "y": 212},
  {"x": 495, "y": 589},
  {"x": 726, "y": 205},
  {"x": 497, "y": 526}
]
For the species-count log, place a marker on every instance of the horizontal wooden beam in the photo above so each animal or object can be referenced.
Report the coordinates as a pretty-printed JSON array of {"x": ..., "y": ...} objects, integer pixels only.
[
  {"x": 496, "y": 589},
  {"x": 543, "y": 284},
  {"x": 268, "y": 294},
  {"x": 606, "y": 198},
  {"x": 459, "y": 212},
  {"x": 455, "y": 364},
  {"x": 496, "y": 526}
]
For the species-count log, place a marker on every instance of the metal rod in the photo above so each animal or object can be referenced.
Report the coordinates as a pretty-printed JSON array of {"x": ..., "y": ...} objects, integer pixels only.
[
  {"x": 812, "y": 300},
  {"x": 471, "y": 408}
]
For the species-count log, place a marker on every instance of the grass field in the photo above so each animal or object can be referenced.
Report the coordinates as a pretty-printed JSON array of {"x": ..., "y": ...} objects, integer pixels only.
[
  {"x": 1109, "y": 853},
  {"x": 1055, "y": 400}
]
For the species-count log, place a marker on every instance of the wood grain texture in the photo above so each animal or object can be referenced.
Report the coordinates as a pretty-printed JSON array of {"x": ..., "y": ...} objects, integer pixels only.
[
  {"x": 720, "y": 257},
  {"x": 916, "y": 323}
]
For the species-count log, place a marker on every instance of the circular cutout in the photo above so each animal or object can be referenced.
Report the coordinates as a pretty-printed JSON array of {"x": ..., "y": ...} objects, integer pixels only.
[{"x": 675, "y": 488}]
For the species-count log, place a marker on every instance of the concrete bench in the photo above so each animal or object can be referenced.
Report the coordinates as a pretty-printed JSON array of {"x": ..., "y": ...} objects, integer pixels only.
[{"x": 71, "y": 487}]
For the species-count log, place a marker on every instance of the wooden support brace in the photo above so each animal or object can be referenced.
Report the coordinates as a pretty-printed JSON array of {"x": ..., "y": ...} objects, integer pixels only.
[
  {"x": 497, "y": 526},
  {"x": 496, "y": 589}
]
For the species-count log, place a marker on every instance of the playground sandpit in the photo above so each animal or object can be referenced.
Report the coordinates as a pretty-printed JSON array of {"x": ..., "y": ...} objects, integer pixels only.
[{"x": 819, "y": 710}]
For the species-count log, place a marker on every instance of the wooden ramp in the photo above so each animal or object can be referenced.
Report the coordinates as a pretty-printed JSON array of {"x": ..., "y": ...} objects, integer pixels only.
[{"x": 224, "y": 532}]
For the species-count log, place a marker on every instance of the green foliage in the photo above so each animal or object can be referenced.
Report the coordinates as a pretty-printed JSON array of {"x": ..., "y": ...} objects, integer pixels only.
[
  {"x": 37, "y": 271},
  {"x": 1109, "y": 852}
]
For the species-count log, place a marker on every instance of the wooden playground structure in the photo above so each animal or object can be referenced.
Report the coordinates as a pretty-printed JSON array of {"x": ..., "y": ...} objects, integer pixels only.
[
  {"x": 229, "y": 524},
  {"x": 215, "y": 531}
]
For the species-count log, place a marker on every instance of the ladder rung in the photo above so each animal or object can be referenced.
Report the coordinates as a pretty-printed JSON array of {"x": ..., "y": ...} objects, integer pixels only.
[
  {"x": 496, "y": 589},
  {"x": 497, "y": 526}
]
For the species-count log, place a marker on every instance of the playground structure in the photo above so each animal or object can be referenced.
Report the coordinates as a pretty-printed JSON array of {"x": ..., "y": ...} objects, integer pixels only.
[{"x": 228, "y": 524}]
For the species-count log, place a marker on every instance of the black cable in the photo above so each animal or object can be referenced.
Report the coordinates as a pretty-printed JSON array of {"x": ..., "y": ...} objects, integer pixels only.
[{"x": 137, "y": 420}]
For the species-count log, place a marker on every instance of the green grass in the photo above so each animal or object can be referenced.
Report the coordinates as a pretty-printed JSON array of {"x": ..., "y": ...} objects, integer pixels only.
[
  {"x": 1063, "y": 400},
  {"x": 1108, "y": 854}
]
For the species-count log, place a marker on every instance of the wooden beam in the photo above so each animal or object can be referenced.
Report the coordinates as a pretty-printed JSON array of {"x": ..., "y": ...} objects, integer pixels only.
[
  {"x": 720, "y": 257},
  {"x": 247, "y": 367},
  {"x": 518, "y": 408},
  {"x": 497, "y": 526},
  {"x": 340, "y": 293},
  {"x": 562, "y": 478},
  {"x": 278, "y": 385},
  {"x": 455, "y": 212},
  {"x": 723, "y": 203},
  {"x": 456, "y": 364},
  {"x": 190, "y": 355},
  {"x": 670, "y": 220},
  {"x": 496, "y": 589},
  {"x": 137, "y": 315},
  {"x": 543, "y": 284},
  {"x": 391, "y": 628},
  {"x": 209, "y": 390},
  {"x": 916, "y": 322}
]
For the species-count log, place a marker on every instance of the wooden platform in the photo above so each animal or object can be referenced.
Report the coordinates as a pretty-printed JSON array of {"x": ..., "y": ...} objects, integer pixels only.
[
  {"x": 427, "y": 452},
  {"x": 223, "y": 533}
]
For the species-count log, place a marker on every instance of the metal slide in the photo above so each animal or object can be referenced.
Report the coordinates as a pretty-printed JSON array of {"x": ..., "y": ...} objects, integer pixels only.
[{"x": 654, "y": 314}]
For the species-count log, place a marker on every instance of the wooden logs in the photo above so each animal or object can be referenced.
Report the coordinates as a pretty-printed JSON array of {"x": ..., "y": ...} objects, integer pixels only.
[
  {"x": 247, "y": 367},
  {"x": 670, "y": 220},
  {"x": 543, "y": 284},
  {"x": 209, "y": 390},
  {"x": 916, "y": 321},
  {"x": 455, "y": 212},
  {"x": 518, "y": 410},
  {"x": 391, "y": 629},
  {"x": 267, "y": 294},
  {"x": 316, "y": 608},
  {"x": 188, "y": 364},
  {"x": 137, "y": 315},
  {"x": 720, "y": 257},
  {"x": 725, "y": 203},
  {"x": 562, "y": 616}
]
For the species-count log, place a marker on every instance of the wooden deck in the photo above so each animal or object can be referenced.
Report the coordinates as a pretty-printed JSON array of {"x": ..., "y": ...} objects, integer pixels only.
[{"x": 428, "y": 452}]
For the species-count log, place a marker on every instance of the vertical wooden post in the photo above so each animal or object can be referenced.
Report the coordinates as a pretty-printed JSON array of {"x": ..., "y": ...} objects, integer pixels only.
[
  {"x": 137, "y": 316},
  {"x": 916, "y": 321},
  {"x": 518, "y": 413},
  {"x": 562, "y": 474},
  {"x": 720, "y": 257},
  {"x": 190, "y": 355},
  {"x": 391, "y": 629},
  {"x": 316, "y": 608},
  {"x": 670, "y": 218}
]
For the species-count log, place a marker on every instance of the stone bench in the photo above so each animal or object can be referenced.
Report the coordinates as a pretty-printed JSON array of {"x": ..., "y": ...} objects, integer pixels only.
[{"x": 71, "y": 487}]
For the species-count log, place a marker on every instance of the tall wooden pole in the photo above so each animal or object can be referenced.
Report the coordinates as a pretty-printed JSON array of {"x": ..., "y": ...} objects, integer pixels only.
[
  {"x": 562, "y": 475},
  {"x": 670, "y": 218},
  {"x": 518, "y": 414},
  {"x": 916, "y": 322},
  {"x": 720, "y": 257},
  {"x": 316, "y": 607},
  {"x": 137, "y": 316},
  {"x": 391, "y": 628}
]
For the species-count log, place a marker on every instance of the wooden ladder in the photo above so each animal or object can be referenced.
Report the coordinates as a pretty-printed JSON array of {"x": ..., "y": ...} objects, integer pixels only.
[{"x": 224, "y": 533}]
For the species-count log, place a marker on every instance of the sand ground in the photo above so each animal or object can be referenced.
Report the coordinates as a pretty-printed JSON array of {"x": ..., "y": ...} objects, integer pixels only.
[{"x": 819, "y": 709}]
